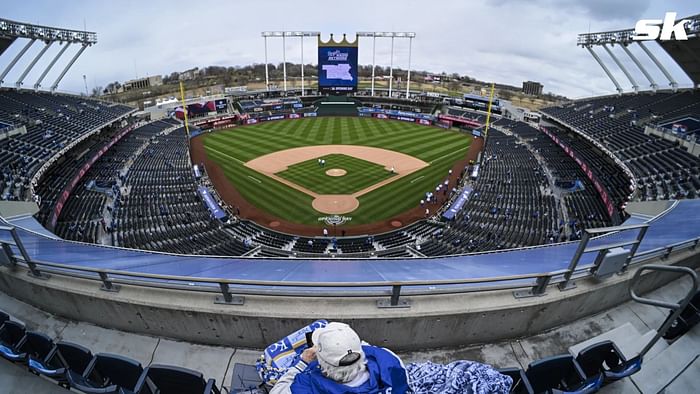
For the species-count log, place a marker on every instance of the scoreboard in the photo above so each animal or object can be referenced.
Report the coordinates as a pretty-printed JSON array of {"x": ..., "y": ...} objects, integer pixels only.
[{"x": 337, "y": 66}]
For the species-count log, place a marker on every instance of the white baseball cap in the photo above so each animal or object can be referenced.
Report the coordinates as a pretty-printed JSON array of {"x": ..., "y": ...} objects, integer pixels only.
[{"x": 337, "y": 344}]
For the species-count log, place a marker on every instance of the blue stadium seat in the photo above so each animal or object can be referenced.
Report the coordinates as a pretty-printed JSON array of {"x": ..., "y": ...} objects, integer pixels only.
[
  {"x": 166, "y": 379},
  {"x": 40, "y": 351},
  {"x": 245, "y": 379},
  {"x": 520, "y": 383},
  {"x": 561, "y": 373},
  {"x": 74, "y": 360},
  {"x": 12, "y": 336},
  {"x": 604, "y": 357},
  {"x": 108, "y": 373}
]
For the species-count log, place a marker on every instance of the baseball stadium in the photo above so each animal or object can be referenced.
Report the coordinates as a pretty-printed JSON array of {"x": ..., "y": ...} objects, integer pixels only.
[
  {"x": 366, "y": 163},
  {"x": 329, "y": 226}
]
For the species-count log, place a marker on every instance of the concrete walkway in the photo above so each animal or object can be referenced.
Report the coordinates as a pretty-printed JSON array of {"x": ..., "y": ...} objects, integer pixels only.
[{"x": 217, "y": 362}]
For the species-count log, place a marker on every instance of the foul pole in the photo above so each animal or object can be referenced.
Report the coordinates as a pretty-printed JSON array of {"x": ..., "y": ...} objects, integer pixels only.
[
  {"x": 488, "y": 112},
  {"x": 184, "y": 108}
]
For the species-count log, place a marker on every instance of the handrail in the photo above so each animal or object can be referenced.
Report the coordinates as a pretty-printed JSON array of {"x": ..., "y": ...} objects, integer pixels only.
[
  {"x": 677, "y": 308},
  {"x": 254, "y": 282},
  {"x": 535, "y": 283},
  {"x": 624, "y": 227},
  {"x": 110, "y": 279},
  {"x": 603, "y": 249}
]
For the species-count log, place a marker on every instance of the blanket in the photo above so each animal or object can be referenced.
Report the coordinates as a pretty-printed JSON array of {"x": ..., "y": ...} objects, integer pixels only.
[{"x": 456, "y": 377}]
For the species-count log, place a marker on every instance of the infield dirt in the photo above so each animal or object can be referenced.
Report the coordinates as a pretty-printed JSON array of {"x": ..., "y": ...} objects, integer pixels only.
[{"x": 250, "y": 212}]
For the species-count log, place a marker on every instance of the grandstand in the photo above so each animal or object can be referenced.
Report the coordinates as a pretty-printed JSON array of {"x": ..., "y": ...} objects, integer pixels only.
[
  {"x": 662, "y": 169},
  {"x": 95, "y": 198}
]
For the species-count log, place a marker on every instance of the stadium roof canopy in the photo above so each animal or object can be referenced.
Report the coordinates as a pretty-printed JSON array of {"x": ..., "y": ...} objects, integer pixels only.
[
  {"x": 686, "y": 53},
  {"x": 10, "y": 31}
]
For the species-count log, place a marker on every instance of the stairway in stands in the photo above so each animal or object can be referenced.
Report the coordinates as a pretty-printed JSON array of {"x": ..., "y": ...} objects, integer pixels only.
[{"x": 668, "y": 367}]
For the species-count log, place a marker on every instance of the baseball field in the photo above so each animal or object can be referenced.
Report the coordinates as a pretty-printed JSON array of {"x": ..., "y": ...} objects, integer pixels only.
[{"x": 368, "y": 169}]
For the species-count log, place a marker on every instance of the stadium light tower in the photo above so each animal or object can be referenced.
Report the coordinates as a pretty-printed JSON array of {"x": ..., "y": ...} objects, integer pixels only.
[
  {"x": 392, "y": 35},
  {"x": 284, "y": 35}
]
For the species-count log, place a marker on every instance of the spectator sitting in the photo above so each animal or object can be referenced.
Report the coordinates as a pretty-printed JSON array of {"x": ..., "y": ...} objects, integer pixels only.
[{"x": 340, "y": 363}]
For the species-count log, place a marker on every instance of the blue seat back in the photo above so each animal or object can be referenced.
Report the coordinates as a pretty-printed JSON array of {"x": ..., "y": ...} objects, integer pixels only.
[
  {"x": 604, "y": 357},
  {"x": 37, "y": 345},
  {"x": 556, "y": 372},
  {"x": 73, "y": 356},
  {"x": 521, "y": 385},
  {"x": 175, "y": 380},
  {"x": 599, "y": 357},
  {"x": 116, "y": 370},
  {"x": 11, "y": 333}
]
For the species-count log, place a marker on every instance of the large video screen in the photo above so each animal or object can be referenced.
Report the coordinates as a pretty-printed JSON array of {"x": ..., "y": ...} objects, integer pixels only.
[{"x": 337, "y": 69}]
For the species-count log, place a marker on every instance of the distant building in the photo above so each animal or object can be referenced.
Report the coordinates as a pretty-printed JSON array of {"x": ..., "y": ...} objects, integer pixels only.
[
  {"x": 142, "y": 83},
  {"x": 432, "y": 78},
  {"x": 189, "y": 74},
  {"x": 532, "y": 88}
]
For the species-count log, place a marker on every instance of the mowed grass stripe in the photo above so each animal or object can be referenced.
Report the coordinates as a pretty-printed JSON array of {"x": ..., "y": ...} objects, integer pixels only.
[
  {"x": 360, "y": 175},
  {"x": 410, "y": 144},
  {"x": 251, "y": 146},
  {"x": 360, "y": 133},
  {"x": 270, "y": 195},
  {"x": 319, "y": 128},
  {"x": 306, "y": 128},
  {"x": 402, "y": 195},
  {"x": 440, "y": 147},
  {"x": 415, "y": 145}
]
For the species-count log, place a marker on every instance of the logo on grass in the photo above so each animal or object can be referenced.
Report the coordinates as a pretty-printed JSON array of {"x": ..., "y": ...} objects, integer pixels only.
[
  {"x": 335, "y": 220},
  {"x": 649, "y": 29}
]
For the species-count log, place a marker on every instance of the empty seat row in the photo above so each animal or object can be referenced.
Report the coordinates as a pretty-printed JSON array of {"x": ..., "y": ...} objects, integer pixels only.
[{"x": 73, "y": 366}]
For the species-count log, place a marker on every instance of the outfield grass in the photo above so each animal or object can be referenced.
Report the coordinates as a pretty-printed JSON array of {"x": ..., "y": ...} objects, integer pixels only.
[
  {"x": 360, "y": 174},
  {"x": 232, "y": 148}
]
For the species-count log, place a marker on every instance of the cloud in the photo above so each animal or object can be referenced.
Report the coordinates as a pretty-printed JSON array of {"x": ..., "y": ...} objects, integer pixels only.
[
  {"x": 600, "y": 10},
  {"x": 507, "y": 41}
]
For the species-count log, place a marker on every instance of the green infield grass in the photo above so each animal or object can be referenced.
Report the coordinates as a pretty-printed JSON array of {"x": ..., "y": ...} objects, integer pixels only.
[
  {"x": 360, "y": 174},
  {"x": 232, "y": 148}
]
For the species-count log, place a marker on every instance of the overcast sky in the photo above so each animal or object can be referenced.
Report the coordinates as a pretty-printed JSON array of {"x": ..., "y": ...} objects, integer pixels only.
[{"x": 506, "y": 41}]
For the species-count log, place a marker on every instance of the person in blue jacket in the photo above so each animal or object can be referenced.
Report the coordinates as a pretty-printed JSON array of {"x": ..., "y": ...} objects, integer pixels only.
[{"x": 339, "y": 363}]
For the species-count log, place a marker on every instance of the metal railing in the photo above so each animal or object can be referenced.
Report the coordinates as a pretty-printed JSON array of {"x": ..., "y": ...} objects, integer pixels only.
[
  {"x": 603, "y": 250},
  {"x": 677, "y": 308},
  {"x": 232, "y": 291}
]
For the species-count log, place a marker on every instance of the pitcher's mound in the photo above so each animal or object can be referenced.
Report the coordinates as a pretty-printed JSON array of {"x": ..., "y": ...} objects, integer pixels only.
[
  {"x": 336, "y": 172},
  {"x": 335, "y": 203}
]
